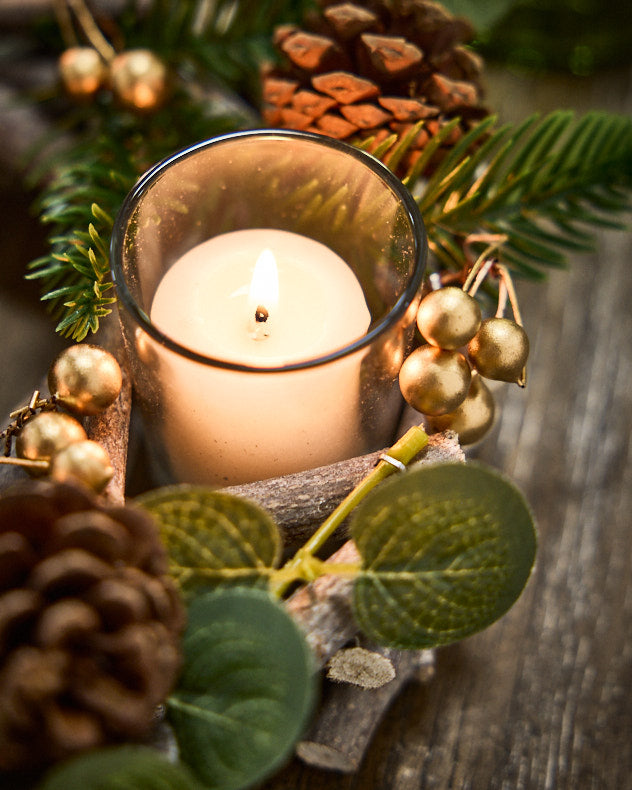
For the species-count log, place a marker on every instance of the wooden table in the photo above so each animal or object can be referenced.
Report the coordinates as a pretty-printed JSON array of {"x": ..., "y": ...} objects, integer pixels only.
[{"x": 542, "y": 698}]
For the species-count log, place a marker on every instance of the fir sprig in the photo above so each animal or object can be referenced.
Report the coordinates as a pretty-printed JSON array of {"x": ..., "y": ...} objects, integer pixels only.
[
  {"x": 205, "y": 45},
  {"x": 543, "y": 183}
]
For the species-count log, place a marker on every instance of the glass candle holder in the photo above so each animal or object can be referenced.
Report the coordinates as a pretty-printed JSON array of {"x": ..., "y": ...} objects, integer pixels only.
[{"x": 238, "y": 380}]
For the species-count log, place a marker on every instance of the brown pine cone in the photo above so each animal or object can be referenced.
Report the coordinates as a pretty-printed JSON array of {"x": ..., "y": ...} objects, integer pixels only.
[
  {"x": 373, "y": 68},
  {"x": 89, "y": 624}
]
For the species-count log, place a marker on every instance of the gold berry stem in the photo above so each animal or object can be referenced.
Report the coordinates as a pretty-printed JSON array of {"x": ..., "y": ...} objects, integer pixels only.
[
  {"x": 507, "y": 282},
  {"x": 494, "y": 242},
  {"x": 502, "y": 298},
  {"x": 91, "y": 30},
  {"x": 24, "y": 463},
  {"x": 303, "y": 565},
  {"x": 64, "y": 20},
  {"x": 511, "y": 291}
]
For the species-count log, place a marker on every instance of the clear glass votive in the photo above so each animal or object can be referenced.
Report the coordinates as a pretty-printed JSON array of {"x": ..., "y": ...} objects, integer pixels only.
[{"x": 239, "y": 381}]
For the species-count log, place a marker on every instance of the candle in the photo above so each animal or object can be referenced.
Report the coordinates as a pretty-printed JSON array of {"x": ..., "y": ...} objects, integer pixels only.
[
  {"x": 268, "y": 283},
  {"x": 261, "y": 298}
]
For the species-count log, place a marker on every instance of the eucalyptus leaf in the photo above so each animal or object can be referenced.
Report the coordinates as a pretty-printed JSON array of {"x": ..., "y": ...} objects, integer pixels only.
[
  {"x": 446, "y": 551},
  {"x": 213, "y": 538},
  {"x": 120, "y": 768},
  {"x": 246, "y": 691}
]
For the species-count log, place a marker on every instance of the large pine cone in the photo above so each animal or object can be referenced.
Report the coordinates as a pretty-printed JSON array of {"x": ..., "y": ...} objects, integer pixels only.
[
  {"x": 89, "y": 624},
  {"x": 374, "y": 68}
]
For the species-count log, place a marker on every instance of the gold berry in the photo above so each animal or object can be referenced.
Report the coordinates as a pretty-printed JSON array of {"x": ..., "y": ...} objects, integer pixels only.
[
  {"x": 86, "y": 462},
  {"x": 46, "y": 434},
  {"x": 499, "y": 350},
  {"x": 139, "y": 79},
  {"x": 82, "y": 72},
  {"x": 473, "y": 418},
  {"x": 85, "y": 379},
  {"x": 434, "y": 380},
  {"x": 449, "y": 318}
]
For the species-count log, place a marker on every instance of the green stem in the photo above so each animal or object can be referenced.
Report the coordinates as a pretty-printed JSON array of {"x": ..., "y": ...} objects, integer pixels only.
[{"x": 404, "y": 450}]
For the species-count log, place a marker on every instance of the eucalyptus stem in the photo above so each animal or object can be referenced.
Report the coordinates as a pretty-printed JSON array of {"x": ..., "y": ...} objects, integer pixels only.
[{"x": 302, "y": 565}]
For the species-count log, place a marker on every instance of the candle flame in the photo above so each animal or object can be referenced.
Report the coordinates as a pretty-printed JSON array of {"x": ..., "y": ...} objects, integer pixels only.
[{"x": 263, "y": 296}]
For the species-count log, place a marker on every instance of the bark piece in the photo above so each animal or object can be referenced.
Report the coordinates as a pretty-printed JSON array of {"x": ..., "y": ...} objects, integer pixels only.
[
  {"x": 360, "y": 667},
  {"x": 111, "y": 428},
  {"x": 349, "y": 715},
  {"x": 300, "y": 502}
]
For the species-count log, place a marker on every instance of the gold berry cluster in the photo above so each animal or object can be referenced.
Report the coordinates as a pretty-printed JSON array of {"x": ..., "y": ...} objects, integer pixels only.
[
  {"x": 444, "y": 378},
  {"x": 137, "y": 78},
  {"x": 49, "y": 438}
]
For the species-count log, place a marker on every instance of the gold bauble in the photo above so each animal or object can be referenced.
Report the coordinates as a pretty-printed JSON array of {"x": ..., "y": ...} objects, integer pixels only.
[
  {"x": 473, "y": 418},
  {"x": 46, "y": 434},
  {"x": 499, "y": 350},
  {"x": 85, "y": 379},
  {"x": 433, "y": 380},
  {"x": 86, "y": 462},
  {"x": 82, "y": 72},
  {"x": 449, "y": 318},
  {"x": 139, "y": 79}
]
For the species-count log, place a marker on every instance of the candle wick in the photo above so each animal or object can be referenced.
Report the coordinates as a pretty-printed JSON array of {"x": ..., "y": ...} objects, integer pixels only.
[
  {"x": 261, "y": 314},
  {"x": 260, "y": 327}
]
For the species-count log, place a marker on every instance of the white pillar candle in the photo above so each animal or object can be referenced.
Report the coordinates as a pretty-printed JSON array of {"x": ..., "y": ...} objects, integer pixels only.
[{"x": 228, "y": 426}]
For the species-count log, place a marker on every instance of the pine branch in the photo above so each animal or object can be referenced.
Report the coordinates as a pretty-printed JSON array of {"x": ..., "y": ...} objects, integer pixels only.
[
  {"x": 86, "y": 185},
  {"x": 540, "y": 183}
]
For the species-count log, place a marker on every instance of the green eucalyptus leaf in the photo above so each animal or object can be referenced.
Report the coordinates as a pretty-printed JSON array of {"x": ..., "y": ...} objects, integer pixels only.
[
  {"x": 246, "y": 691},
  {"x": 446, "y": 551},
  {"x": 120, "y": 768},
  {"x": 214, "y": 538}
]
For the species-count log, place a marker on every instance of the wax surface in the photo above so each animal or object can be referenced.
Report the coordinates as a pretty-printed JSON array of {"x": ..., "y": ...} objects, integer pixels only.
[
  {"x": 228, "y": 427},
  {"x": 203, "y": 301}
]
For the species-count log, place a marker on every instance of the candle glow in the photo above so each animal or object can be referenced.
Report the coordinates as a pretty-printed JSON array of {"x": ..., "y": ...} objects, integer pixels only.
[
  {"x": 263, "y": 296},
  {"x": 314, "y": 305}
]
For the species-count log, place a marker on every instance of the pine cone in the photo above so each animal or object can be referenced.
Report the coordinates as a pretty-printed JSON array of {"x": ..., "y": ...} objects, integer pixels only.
[
  {"x": 373, "y": 68},
  {"x": 89, "y": 624}
]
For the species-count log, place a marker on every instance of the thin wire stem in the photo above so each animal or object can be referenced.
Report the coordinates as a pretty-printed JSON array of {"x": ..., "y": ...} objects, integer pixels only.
[
  {"x": 91, "y": 30},
  {"x": 64, "y": 20}
]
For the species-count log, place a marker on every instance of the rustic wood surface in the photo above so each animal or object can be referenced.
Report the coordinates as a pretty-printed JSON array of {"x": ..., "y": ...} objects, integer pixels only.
[{"x": 541, "y": 700}]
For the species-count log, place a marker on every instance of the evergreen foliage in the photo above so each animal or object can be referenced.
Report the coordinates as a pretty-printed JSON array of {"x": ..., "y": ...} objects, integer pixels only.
[{"x": 544, "y": 184}]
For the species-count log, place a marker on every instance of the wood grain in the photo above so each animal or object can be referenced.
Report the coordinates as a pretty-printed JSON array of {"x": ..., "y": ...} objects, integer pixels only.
[{"x": 541, "y": 700}]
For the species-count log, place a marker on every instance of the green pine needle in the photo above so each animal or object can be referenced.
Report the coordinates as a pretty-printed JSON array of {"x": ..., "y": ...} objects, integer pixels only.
[
  {"x": 545, "y": 184},
  {"x": 541, "y": 183}
]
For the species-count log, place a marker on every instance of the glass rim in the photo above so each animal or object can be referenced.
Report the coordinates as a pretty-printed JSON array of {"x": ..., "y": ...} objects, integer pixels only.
[{"x": 150, "y": 176}]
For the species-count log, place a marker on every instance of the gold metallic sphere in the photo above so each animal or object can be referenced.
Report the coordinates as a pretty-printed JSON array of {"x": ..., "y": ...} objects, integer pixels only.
[
  {"x": 473, "y": 418},
  {"x": 499, "y": 350},
  {"x": 82, "y": 71},
  {"x": 139, "y": 79},
  {"x": 46, "y": 434},
  {"x": 85, "y": 379},
  {"x": 84, "y": 462},
  {"x": 433, "y": 380},
  {"x": 449, "y": 318}
]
